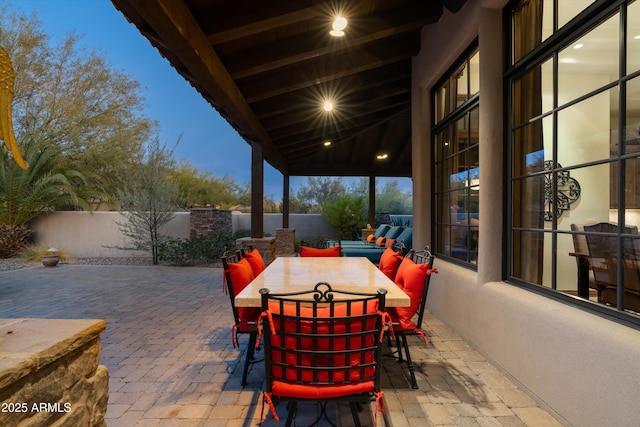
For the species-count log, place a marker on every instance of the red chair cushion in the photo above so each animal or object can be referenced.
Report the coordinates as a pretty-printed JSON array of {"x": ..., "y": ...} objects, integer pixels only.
[
  {"x": 256, "y": 261},
  {"x": 241, "y": 274},
  {"x": 371, "y": 238},
  {"x": 389, "y": 243},
  {"x": 389, "y": 262},
  {"x": 381, "y": 241},
  {"x": 411, "y": 278},
  {"x": 313, "y": 252},
  {"x": 285, "y": 389}
]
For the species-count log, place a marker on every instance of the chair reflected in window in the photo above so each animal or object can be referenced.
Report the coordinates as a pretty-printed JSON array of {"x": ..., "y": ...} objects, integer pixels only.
[
  {"x": 238, "y": 273},
  {"x": 323, "y": 345},
  {"x": 603, "y": 244}
]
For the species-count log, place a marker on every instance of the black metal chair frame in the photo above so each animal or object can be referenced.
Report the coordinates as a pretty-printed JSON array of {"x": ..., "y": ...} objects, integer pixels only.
[
  {"x": 420, "y": 257},
  {"x": 253, "y": 334},
  {"x": 316, "y": 353}
]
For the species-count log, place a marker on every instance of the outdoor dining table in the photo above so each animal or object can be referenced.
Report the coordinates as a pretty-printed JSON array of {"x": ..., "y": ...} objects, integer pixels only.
[{"x": 292, "y": 274}]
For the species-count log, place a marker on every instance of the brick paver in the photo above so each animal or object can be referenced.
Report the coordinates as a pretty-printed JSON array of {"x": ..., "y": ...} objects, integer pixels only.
[{"x": 171, "y": 363}]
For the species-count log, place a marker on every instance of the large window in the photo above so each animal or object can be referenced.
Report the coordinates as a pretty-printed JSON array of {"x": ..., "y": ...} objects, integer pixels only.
[
  {"x": 574, "y": 145},
  {"x": 456, "y": 148}
]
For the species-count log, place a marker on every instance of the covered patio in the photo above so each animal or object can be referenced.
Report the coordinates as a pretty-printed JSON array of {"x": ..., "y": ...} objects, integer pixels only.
[{"x": 171, "y": 363}]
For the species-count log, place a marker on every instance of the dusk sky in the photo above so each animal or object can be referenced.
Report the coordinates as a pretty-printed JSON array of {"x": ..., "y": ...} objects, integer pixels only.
[{"x": 207, "y": 141}]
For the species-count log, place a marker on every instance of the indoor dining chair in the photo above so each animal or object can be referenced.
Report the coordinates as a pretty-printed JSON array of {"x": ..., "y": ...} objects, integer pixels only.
[
  {"x": 237, "y": 274},
  {"x": 413, "y": 276},
  {"x": 323, "y": 345}
]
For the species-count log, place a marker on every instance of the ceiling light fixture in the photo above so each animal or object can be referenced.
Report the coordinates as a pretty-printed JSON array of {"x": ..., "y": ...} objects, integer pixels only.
[
  {"x": 637, "y": 37},
  {"x": 339, "y": 24},
  {"x": 578, "y": 46},
  {"x": 382, "y": 156},
  {"x": 327, "y": 143},
  {"x": 327, "y": 105}
]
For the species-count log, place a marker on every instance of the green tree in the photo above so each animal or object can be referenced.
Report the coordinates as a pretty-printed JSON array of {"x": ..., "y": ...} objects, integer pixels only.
[
  {"x": 318, "y": 191},
  {"x": 45, "y": 186},
  {"x": 150, "y": 199},
  {"x": 72, "y": 98},
  {"x": 347, "y": 214},
  {"x": 391, "y": 199}
]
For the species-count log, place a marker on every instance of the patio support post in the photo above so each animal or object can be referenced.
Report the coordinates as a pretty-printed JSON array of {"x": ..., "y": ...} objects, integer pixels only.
[
  {"x": 257, "y": 191},
  {"x": 372, "y": 200},
  {"x": 285, "y": 201}
]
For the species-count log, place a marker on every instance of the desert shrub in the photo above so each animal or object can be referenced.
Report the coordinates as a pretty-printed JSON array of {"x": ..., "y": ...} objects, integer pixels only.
[
  {"x": 196, "y": 249},
  {"x": 12, "y": 239},
  {"x": 36, "y": 253}
]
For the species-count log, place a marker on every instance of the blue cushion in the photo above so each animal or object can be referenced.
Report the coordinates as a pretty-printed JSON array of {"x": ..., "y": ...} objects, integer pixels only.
[
  {"x": 394, "y": 232},
  {"x": 406, "y": 237},
  {"x": 373, "y": 253},
  {"x": 381, "y": 231}
]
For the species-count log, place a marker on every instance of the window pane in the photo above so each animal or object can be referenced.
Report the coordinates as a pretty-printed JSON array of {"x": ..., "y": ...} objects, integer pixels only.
[
  {"x": 459, "y": 81},
  {"x": 527, "y": 28},
  {"x": 567, "y": 10},
  {"x": 631, "y": 274},
  {"x": 474, "y": 126},
  {"x": 567, "y": 267},
  {"x": 633, "y": 37},
  {"x": 528, "y": 149},
  {"x": 443, "y": 147},
  {"x": 584, "y": 129},
  {"x": 527, "y": 261},
  {"x": 631, "y": 184},
  {"x": 632, "y": 131},
  {"x": 443, "y": 214},
  {"x": 593, "y": 203},
  {"x": 590, "y": 62},
  {"x": 528, "y": 195},
  {"x": 441, "y": 102},
  {"x": 533, "y": 93},
  {"x": 474, "y": 73}
]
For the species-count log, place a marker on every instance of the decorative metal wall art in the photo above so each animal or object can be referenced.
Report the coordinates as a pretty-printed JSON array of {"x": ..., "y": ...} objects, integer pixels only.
[{"x": 567, "y": 191}]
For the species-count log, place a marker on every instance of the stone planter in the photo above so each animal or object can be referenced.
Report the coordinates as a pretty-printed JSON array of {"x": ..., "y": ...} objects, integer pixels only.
[{"x": 50, "y": 260}]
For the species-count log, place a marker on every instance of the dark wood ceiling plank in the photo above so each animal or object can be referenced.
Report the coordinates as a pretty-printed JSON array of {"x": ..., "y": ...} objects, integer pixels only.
[
  {"x": 238, "y": 20},
  {"x": 335, "y": 68},
  {"x": 314, "y": 44},
  {"x": 349, "y": 123},
  {"x": 350, "y": 108},
  {"x": 359, "y": 85}
]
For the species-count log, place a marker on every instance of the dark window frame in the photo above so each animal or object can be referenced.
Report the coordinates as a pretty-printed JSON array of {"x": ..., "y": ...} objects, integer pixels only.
[{"x": 586, "y": 21}]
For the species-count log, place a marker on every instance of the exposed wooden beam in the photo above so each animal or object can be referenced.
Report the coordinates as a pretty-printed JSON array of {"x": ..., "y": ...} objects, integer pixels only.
[{"x": 326, "y": 70}]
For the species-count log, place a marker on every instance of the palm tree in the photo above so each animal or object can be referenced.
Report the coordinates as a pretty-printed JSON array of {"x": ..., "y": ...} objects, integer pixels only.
[{"x": 43, "y": 187}]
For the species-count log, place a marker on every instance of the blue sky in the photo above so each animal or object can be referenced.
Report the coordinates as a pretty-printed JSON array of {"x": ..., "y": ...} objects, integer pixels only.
[{"x": 207, "y": 141}]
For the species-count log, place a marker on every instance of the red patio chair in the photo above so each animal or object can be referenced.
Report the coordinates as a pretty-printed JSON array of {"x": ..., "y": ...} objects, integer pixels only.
[
  {"x": 238, "y": 273},
  {"x": 413, "y": 276},
  {"x": 323, "y": 345}
]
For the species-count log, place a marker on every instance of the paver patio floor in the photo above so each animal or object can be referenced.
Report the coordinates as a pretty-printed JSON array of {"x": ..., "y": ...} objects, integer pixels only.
[{"x": 171, "y": 363}]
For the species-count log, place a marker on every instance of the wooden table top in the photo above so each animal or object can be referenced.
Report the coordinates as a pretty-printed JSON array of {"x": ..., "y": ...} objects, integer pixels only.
[{"x": 294, "y": 274}]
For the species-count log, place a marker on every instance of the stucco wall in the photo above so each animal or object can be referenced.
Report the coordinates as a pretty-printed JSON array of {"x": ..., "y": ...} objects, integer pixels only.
[
  {"x": 97, "y": 234},
  {"x": 579, "y": 365}
]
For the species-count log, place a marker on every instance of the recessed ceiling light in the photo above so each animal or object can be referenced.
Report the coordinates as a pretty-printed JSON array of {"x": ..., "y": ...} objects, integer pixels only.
[
  {"x": 637, "y": 37},
  {"x": 339, "y": 24},
  {"x": 382, "y": 156},
  {"x": 327, "y": 105},
  {"x": 327, "y": 143},
  {"x": 578, "y": 46}
]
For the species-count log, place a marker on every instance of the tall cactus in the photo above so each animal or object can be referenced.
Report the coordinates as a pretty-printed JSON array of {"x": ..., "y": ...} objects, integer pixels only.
[{"x": 6, "y": 99}]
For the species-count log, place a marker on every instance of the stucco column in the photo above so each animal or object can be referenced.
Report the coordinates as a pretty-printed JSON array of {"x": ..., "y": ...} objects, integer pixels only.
[
  {"x": 491, "y": 146},
  {"x": 421, "y": 164}
]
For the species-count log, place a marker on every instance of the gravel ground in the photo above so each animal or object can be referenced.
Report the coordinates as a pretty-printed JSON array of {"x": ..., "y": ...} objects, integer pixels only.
[{"x": 7, "y": 264}]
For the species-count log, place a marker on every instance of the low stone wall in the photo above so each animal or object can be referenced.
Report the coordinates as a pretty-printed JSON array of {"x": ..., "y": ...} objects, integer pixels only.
[{"x": 49, "y": 373}]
